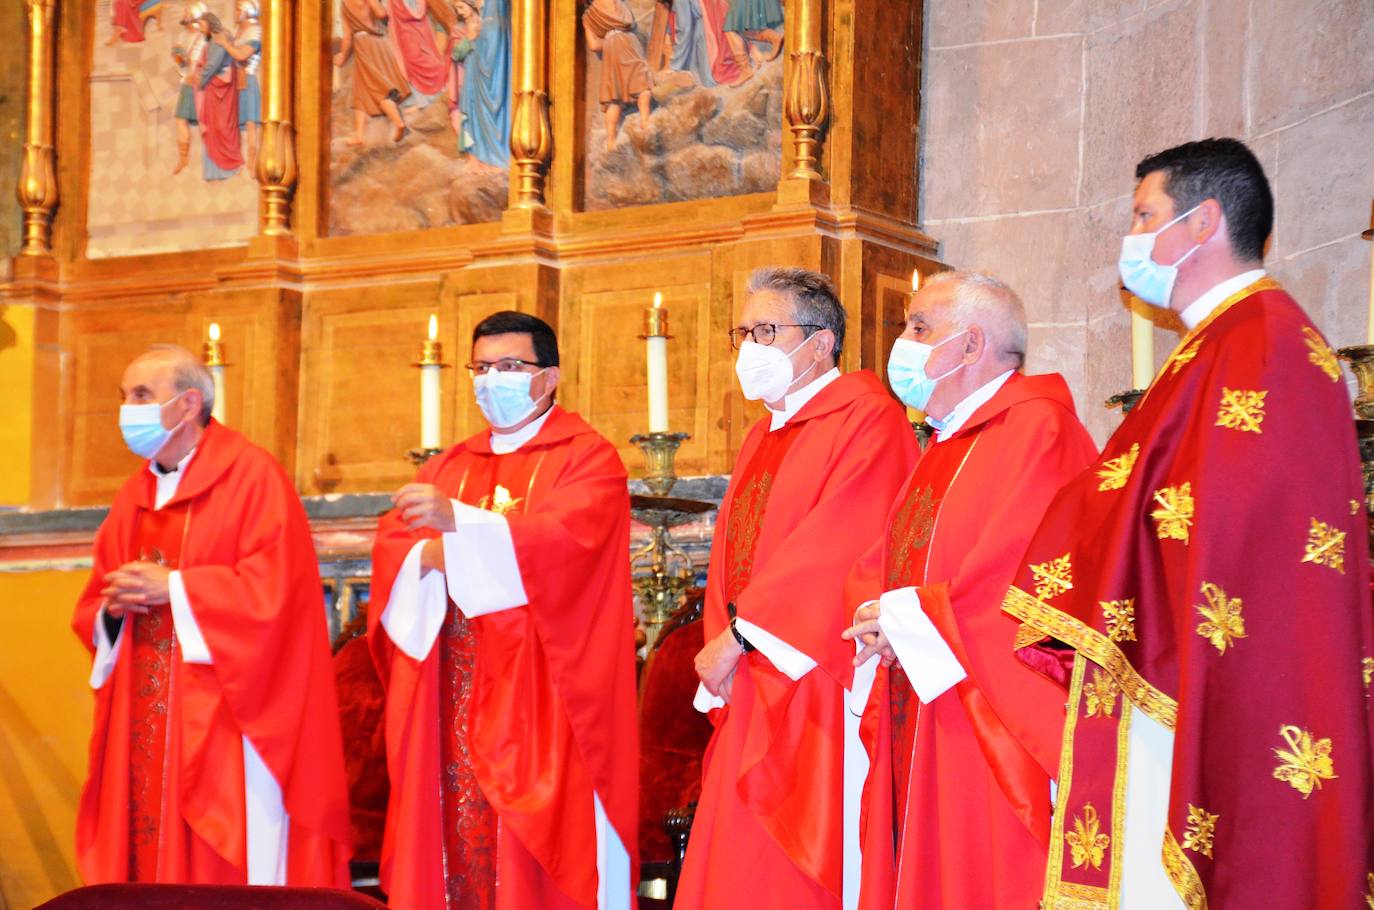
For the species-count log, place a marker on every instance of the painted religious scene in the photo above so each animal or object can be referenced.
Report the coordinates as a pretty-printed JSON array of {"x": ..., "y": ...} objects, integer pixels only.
[
  {"x": 420, "y": 114},
  {"x": 176, "y": 109},
  {"x": 684, "y": 99}
]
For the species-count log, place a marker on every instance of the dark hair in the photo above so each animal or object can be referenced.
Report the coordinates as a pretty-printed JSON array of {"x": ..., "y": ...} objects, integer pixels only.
[
  {"x": 509, "y": 321},
  {"x": 813, "y": 297},
  {"x": 1224, "y": 170}
]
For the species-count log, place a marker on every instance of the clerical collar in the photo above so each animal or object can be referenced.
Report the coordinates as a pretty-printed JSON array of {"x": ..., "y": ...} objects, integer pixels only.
[
  {"x": 797, "y": 400},
  {"x": 158, "y": 471},
  {"x": 1201, "y": 308},
  {"x": 962, "y": 411},
  {"x": 505, "y": 443}
]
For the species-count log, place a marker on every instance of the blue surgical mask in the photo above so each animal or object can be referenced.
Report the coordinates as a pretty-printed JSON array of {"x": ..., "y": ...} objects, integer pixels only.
[
  {"x": 504, "y": 398},
  {"x": 1151, "y": 281},
  {"x": 906, "y": 370},
  {"x": 142, "y": 429}
]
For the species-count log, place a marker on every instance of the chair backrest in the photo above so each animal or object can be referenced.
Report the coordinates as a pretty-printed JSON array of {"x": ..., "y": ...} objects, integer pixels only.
[{"x": 208, "y": 897}]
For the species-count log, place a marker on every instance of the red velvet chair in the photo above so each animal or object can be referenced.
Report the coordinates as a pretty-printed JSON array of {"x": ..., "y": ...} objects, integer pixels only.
[
  {"x": 361, "y": 715},
  {"x": 208, "y": 897}
]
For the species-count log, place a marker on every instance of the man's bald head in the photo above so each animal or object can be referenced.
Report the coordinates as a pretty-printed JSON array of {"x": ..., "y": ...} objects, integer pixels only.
[
  {"x": 975, "y": 299},
  {"x": 166, "y": 370}
]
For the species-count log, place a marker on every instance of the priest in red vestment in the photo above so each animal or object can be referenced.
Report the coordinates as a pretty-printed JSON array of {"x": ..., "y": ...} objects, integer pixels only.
[
  {"x": 1209, "y": 576},
  {"x": 809, "y": 494},
  {"x": 502, "y": 625},
  {"x": 216, "y": 756},
  {"x": 962, "y": 737}
]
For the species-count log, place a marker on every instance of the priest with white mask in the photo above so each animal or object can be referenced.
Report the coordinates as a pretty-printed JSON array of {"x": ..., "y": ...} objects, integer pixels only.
[{"x": 502, "y": 627}]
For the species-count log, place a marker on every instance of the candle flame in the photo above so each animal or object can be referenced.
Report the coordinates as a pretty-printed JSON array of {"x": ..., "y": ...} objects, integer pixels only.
[
  {"x": 658, "y": 300},
  {"x": 214, "y": 331},
  {"x": 915, "y": 280},
  {"x": 433, "y": 326}
]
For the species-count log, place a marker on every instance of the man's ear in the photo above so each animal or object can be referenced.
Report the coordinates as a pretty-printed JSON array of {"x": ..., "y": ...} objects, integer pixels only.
[
  {"x": 975, "y": 344},
  {"x": 825, "y": 343},
  {"x": 195, "y": 401},
  {"x": 551, "y": 377},
  {"x": 1206, "y": 221}
]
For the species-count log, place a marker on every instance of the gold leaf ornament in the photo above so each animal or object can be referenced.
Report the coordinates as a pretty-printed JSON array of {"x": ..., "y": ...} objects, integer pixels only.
[
  {"x": 1174, "y": 516},
  {"x": 1320, "y": 353},
  {"x": 1202, "y": 827},
  {"x": 1185, "y": 356},
  {"x": 1101, "y": 694},
  {"x": 1087, "y": 843},
  {"x": 1222, "y": 620},
  {"x": 1325, "y": 546},
  {"x": 1116, "y": 471},
  {"x": 1053, "y": 577},
  {"x": 1306, "y": 762}
]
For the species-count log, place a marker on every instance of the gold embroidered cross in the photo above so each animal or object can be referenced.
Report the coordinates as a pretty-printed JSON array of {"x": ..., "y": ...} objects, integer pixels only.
[
  {"x": 1088, "y": 845},
  {"x": 1116, "y": 471},
  {"x": 1185, "y": 356},
  {"x": 1175, "y": 512},
  {"x": 1321, "y": 353},
  {"x": 1101, "y": 694},
  {"x": 1325, "y": 546},
  {"x": 1120, "y": 617},
  {"x": 1053, "y": 577},
  {"x": 1201, "y": 829},
  {"x": 1222, "y": 621},
  {"x": 1241, "y": 410},
  {"x": 1306, "y": 762}
]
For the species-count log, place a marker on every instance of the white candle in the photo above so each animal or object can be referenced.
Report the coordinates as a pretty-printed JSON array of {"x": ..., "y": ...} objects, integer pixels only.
[
  {"x": 429, "y": 394},
  {"x": 217, "y": 374},
  {"x": 1142, "y": 351},
  {"x": 657, "y": 353}
]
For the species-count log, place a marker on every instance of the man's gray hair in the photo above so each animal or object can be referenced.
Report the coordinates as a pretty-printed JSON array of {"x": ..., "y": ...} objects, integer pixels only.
[
  {"x": 188, "y": 373},
  {"x": 990, "y": 304},
  {"x": 814, "y": 301}
]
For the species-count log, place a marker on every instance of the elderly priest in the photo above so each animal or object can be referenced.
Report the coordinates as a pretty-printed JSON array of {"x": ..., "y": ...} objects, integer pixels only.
[
  {"x": 809, "y": 494},
  {"x": 502, "y": 624},
  {"x": 963, "y": 739},
  {"x": 216, "y": 756}
]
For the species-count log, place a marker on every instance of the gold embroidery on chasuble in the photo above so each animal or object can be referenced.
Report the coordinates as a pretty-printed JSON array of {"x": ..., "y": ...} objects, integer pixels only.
[
  {"x": 1175, "y": 513},
  {"x": 1086, "y": 841},
  {"x": 1100, "y": 695},
  {"x": 1369, "y": 895},
  {"x": 1222, "y": 620},
  {"x": 1321, "y": 354},
  {"x": 1241, "y": 410},
  {"x": 912, "y": 529},
  {"x": 1053, "y": 577},
  {"x": 500, "y": 501},
  {"x": 742, "y": 530},
  {"x": 1325, "y": 546},
  {"x": 1120, "y": 618},
  {"x": 1182, "y": 874},
  {"x": 1201, "y": 829},
  {"x": 1367, "y": 670},
  {"x": 1354, "y": 507},
  {"x": 1184, "y": 356},
  {"x": 1306, "y": 762},
  {"x": 1026, "y": 635},
  {"x": 1116, "y": 471}
]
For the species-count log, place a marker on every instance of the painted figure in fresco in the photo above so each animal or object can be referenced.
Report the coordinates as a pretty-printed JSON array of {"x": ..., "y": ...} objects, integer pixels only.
[
  {"x": 750, "y": 23},
  {"x": 625, "y": 76},
  {"x": 130, "y": 19},
  {"x": 418, "y": 47},
  {"x": 700, "y": 46},
  {"x": 468, "y": 15},
  {"x": 246, "y": 49},
  {"x": 485, "y": 97},
  {"x": 217, "y": 101},
  {"x": 379, "y": 85},
  {"x": 185, "y": 57}
]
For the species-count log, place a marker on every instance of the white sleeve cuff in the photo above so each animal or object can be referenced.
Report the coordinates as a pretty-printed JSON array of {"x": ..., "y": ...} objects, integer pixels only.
[
  {"x": 479, "y": 560},
  {"x": 193, "y": 647},
  {"x": 106, "y": 654},
  {"x": 783, "y": 656},
  {"x": 925, "y": 656},
  {"x": 415, "y": 610},
  {"x": 704, "y": 701}
]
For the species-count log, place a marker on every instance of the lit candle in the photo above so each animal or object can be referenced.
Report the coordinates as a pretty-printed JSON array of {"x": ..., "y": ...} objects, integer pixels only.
[
  {"x": 656, "y": 337},
  {"x": 431, "y": 362},
  {"x": 1369, "y": 235},
  {"x": 214, "y": 359},
  {"x": 913, "y": 415},
  {"x": 1142, "y": 349}
]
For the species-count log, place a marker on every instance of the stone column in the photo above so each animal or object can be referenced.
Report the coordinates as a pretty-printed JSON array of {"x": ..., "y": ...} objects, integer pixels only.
[
  {"x": 530, "y": 136},
  {"x": 38, "y": 175},
  {"x": 276, "y": 164},
  {"x": 807, "y": 101}
]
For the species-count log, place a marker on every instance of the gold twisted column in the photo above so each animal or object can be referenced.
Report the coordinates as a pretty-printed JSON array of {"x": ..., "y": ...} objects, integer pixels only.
[
  {"x": 276, "y": 164},
  {"x": 38, "y": 174},
  {"x": 807, "y": 102},
  {"x": 531, "y": 138}
]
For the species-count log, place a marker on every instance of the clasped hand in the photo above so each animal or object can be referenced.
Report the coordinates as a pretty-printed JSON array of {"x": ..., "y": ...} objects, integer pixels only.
[
  {"x": 716, "y": 664},
  {"x": 135, "y": 587},
  {"x": 423, "y": 505},
  {"x": 870, "y": 635}
]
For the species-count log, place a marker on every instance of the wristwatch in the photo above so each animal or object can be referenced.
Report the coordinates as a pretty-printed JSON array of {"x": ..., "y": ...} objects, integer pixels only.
[{"x": 743, "y": 642}]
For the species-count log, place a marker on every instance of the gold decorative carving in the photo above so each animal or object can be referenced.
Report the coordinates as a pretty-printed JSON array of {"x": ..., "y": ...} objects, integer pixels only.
[
  {"x": 38, "y": 171},
  {"x": 276, "y": 164},
  {"x": 531, "y": 137},
  {"x": 807, "y": 101}
]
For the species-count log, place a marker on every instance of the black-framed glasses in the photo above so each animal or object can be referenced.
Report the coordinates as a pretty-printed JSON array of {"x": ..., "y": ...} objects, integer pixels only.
[
  {"x": 765, "y": 332},
  {"x": 504, "y": 365}
]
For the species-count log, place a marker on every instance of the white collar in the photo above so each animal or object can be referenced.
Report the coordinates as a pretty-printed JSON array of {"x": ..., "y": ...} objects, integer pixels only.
[
  {"x": 167, "y": 483},
  {"x": 505, "y": 443},
  {"x": 1201, "y": 308},
  {"x": 972, "y": 402},
  {"x": 794, "y": 402},
  {"x": 153, "y": 466}
]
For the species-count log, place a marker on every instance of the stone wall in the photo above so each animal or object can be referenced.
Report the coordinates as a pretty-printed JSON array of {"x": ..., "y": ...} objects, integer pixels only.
[{"x": 1036, "y": 112}]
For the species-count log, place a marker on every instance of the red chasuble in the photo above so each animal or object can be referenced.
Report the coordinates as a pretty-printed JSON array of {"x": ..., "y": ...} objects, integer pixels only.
[
  {"x": 1211, "y": 571},
  {"x": 497, "y": 740},
  {"x": 804, "y": 503},
  {"x": 957, "y": 801},
  {"x": 165, "y": 797}
]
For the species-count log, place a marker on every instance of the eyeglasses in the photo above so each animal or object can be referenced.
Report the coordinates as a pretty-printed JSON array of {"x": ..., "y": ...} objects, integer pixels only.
[
  {"x": 504, "y": 365},
  {"x": 765, "y": 332}
]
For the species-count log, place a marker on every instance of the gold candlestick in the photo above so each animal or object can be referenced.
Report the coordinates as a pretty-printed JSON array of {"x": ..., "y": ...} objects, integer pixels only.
[{"x": 660, "y": 451}]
